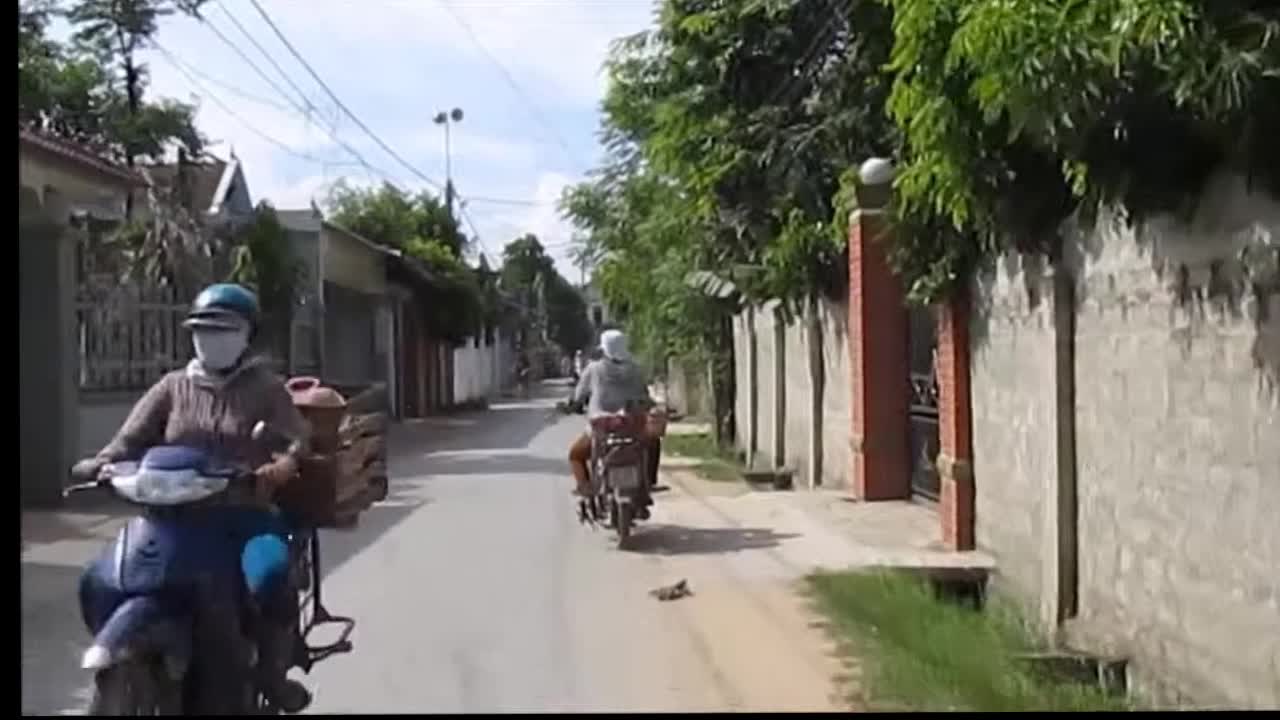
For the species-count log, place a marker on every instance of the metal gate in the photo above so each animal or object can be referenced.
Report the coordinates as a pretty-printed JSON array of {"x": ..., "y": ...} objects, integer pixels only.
[{"x": 922, "y": 402}]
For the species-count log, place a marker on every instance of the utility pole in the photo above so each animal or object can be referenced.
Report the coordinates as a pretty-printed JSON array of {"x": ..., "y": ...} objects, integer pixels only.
[{"x": 447, "y": 119}]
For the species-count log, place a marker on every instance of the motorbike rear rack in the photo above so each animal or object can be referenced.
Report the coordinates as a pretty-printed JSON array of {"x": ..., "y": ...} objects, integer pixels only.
[{"x": 320, "y": 615}]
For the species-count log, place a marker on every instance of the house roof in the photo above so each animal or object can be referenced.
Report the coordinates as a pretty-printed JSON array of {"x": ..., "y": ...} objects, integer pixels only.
[
  {"x": 403, "y": 266},
  {"x": 79, "y": 155},
  {"x": 208, "y": 180},
  {"x": 308, "y": 220},
  {"x": 376, "y": 247}
]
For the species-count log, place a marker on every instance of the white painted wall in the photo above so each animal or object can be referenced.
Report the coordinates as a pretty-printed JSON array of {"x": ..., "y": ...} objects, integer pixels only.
[{"x": 479, "y": 370}]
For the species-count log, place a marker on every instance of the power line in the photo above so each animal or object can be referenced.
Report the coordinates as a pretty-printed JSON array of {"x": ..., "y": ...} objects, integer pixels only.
[
  {"x": 315, "y": 76},
  {"x": 466, "y": 217},
  {"x": 243, "y": 31},
  {"x": 205, "y": 92},
  {"x": 533, "y": 106},
  {"x": 306, "y": 115},
  {"x": 253, "y": 65},
  {"x": 240, "y": 92},
  {"x": 509, "y": 201}
]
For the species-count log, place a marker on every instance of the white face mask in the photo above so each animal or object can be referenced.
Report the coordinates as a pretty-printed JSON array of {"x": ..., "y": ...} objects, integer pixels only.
[{"x": 219, "y": 349}]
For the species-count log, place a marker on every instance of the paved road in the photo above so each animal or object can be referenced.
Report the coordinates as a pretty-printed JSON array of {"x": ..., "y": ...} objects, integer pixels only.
[{"x": 476, "y": 590}]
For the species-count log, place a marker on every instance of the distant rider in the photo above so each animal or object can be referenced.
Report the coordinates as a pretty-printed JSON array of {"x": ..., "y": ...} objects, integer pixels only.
[{"x": 608, "y": 385}]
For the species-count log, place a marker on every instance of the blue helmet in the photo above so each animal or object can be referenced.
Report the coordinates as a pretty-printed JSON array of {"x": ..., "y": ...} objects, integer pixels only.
[{"x": 219, "y": 306}]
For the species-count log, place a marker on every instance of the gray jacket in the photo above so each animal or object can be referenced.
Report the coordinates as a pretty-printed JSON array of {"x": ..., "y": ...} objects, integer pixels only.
[{"x": 608, "y": 385}]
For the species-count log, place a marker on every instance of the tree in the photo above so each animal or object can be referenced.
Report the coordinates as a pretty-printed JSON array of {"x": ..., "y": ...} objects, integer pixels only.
[
  {"x": 529, "y": 273},
  {"x": 753, "y": 110},
  {"x": 421, "y": 226},
  {"x": 1017, "y": 113},
  {"x": 93, "y": 91},
  {"x": 263, "y": 260},
  {"x": 399, "y": 217}
]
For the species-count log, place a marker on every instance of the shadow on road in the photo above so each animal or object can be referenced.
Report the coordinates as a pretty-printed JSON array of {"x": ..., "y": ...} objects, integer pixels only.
[
  {"x": 52, "y": 640},
  {"x": 512, "y": 464},
  {"x": 508, "y": 424},
  {"x": 340, "y": 545},
  {"x": 674, "y": 540}
]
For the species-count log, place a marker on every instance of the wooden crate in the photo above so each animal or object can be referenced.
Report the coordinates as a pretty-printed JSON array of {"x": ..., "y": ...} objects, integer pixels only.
[
  {"x": 312, "y": 497},
  {"x": 334, "y": 487}
]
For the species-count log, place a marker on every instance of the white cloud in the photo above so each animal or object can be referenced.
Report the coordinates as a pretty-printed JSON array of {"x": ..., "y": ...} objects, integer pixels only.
[
  {"x": 395, "y": 63},
  {"x": 542, "y": 218},
  {"x": 554, "y": 44}
]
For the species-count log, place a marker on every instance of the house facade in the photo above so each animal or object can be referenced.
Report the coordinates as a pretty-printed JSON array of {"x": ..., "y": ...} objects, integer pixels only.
[
  {"x": 343, "y": 328},
  {"x": 60, "y": 186}
]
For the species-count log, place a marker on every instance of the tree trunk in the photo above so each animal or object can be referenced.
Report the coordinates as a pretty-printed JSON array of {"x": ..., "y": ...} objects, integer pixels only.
[{"x": 134, "y": 94}]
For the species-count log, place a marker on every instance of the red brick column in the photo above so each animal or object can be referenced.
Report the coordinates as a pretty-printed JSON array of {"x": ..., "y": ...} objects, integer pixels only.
[
  {"x": 955, "y": 423},
  {"x": 878, "y": 365}
]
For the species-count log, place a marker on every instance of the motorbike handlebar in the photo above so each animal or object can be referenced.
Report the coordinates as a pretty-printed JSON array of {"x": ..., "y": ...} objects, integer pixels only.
[{"x": 102, "y": 479}]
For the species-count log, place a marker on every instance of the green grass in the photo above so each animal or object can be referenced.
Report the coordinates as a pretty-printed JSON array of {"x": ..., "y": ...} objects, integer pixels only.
[
  {"x": 922, "y": 654},
  {"x": 715, "y": 465}
]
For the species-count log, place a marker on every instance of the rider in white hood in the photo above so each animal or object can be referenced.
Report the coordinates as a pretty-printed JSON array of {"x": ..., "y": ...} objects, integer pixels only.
[{"x": 607, "y": 385}]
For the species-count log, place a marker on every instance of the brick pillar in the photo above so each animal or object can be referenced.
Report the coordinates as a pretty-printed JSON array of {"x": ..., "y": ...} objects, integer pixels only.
[
  {"x": 955, "y": 414},
  {"x": 878, "y": 364}
]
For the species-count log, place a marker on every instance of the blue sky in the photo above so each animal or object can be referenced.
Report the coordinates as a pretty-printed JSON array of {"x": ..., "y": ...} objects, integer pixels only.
[{"x": 394, "y": 64}]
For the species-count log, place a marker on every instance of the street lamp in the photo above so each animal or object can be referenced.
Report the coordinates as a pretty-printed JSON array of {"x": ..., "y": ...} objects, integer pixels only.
[
  {"x": 447, "y": 119},
  {"x": 875, "y": 176}
]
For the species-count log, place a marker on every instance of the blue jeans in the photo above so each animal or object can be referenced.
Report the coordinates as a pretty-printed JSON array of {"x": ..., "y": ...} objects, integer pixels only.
[{"x": 264, "y": 558}]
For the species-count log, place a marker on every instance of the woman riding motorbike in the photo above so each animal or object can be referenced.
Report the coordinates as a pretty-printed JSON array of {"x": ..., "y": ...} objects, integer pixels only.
[{"x": 213, "y": 404}]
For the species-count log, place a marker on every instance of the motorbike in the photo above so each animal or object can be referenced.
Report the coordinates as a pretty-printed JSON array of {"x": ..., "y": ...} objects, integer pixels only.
[
  {"x": 619, "y": 474},
  {"x": 170, "y": 620}
]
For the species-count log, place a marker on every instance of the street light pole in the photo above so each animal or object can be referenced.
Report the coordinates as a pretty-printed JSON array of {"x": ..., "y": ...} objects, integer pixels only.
[{"x": 447, "y": 119}]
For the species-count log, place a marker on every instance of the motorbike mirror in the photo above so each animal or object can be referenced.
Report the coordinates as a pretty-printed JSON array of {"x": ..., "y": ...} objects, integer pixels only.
[
  {"x": 266, "y": 434},
  {"x": 260, "y": 431}
]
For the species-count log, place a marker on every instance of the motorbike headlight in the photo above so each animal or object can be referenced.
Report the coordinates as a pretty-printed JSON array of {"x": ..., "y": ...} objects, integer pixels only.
[{"x": 148, "y": 486}]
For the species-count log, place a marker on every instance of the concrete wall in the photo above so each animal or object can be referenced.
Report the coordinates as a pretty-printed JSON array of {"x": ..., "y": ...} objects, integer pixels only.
[
  {"x": 1014, "y": 446},
  {"x": 688, "y": 386},
  {"x": 50, "y": 189},
  {"x": 744, "y": 380},
  {"x": 351, "y": 263},
  {"x": 46, "y": 387},
  {"x": 77, "y": 188},
  {"x": 792, "y": 427},
  {"x": 100, "y": 415},
  {"x": 1176, "y": 473},
  {"x": 770, "y": 394},
  {"x": 837, "y": 395}
]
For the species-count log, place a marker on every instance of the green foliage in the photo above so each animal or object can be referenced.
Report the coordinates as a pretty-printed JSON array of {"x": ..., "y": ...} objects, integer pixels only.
[
  {"x": 728, "y": 128},
  {"x": 529, "y": 274},
  {"x": 644, "y": 245},
  {"x": 921, "y": 653},
  {"x": 1016, "y": 113},
  {"x": 422, "y": 228},
  {"x": 394, "y": 217},
  {"x": 263, "y": 260},
  {"x": 92, "y": 91}
]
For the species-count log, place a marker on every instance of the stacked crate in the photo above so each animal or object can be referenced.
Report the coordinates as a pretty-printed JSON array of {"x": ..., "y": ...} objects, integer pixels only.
[{"x": 344, "y": 471}]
